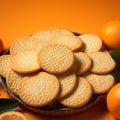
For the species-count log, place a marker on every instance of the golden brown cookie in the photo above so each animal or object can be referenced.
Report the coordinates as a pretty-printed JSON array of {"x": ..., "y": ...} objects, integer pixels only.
[
  {"x": 100, "y": 83},
  {"x": 12, "y": 81},
  {"x": 26, "y": 43},
  {"x": 102, "y": 63},
  {"x": 56, "y": 59},
  {"x": 61, "y": 31},
  {"x": 91, "y": 43},
  {"x": 68, "y": 82},
  {"x": 80, "y": 96},
  {"x": 39, "y": 89},
  {"x": 82, "y": 64},
  {"x": 4, "y": 65},
  {"x": 70, "y": 40},
  {"x": 44, "y": 37},
  {"x": 25, "y": 62}
]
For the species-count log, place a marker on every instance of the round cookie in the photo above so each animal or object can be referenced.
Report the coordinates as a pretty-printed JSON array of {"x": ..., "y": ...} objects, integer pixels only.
[
  {"x": 12, "y": 81},
  {"x": 100, "y": 83},
  {"x": 102, "y": 63},
  {"x": 56, "y": 59},
  {"x": 70, "y": 40},
  {"x": 39, "y": 89},
  {"x": 61, "y": 31},
  {"x": 4, "y": 65},
  {"x": 92, "y": 43},
  {"x": 44, "y": 37},
  {"x": 82, "y": 64},
  {"x": 26, "y": 43},
  {"x": 80, "y": 96},
  {"x": 68, "y": 82},
  {"x": 25, "y": 62}
]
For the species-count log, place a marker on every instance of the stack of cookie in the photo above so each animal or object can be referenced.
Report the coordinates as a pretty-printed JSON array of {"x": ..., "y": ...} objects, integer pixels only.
[{"x": 55, "y": 65}]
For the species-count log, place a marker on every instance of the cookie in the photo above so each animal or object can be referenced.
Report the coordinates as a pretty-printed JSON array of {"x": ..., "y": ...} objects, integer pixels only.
[
  {"x": 25, "y": 62},
  {"x": 100, "y": 83},
  {"x": 44, "y": 37},
  {"x": 39, "y": 89},
  {"x": 80, "y": 96},
  {"x": 56, "y": 59},
  {"x": 70, "y": 40},
  {"x": 4, "y": 65},
  {"x": 82, "y": 63},
  {"x": 68, "y": 82},
  {"x": 26, "y": 43},
  {"x": 61, "y": 31},
  {"x": 102, "y": 63},
  {"x": 91, "y": 43},
  {"x": 12, "y": 81}
]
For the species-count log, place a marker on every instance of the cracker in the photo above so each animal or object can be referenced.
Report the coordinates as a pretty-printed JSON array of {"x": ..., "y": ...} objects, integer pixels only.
[
  {"x": 83, "y": 63},
  {"x": 70, "y": 40},
  {"x": 56, "y": 59},
  {"x": 4, "y": 65},
  {"x": 25, "y": 62},
  {"x": 68, "y": 83},
  {"x": 26, "y": 43},
  {"x": 39, "y": 89},
  {"x": 12, "y": 81},
  {"x": 102, "y": 63},
  {"x": 92, "y": 43},
  {"x": 80, "y": 96},
  {"x": 100, "y": 83}
]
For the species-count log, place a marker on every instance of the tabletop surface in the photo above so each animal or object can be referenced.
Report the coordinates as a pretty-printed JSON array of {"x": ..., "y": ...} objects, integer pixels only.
[{"x": 20, "y": 18}]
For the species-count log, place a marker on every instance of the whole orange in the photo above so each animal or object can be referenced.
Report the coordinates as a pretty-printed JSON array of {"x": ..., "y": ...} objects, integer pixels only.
[
  {"x": 113, "y": 101},
  {"x": 3, "y": 93},
  {"x": 110, "y": 34},
  {"x": 1, "y": 47}
]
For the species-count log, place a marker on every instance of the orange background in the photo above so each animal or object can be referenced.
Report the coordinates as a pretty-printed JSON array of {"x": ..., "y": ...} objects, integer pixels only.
[{"x": 23, "y": 17}]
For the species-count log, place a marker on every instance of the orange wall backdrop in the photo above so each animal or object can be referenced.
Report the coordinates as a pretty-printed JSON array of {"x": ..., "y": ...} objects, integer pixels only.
[{"x": 23, "y": 17}]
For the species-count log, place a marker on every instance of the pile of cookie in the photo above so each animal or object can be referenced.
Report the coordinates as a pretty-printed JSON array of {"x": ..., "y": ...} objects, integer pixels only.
[{"x": 52, "y": 65}]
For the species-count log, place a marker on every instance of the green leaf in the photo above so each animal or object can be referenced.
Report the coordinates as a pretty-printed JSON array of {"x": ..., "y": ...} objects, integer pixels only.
[
  {"x": 115, "y": 54},
  {"x": 8, "y": 104},
  {"x": 116, "y": 74}
]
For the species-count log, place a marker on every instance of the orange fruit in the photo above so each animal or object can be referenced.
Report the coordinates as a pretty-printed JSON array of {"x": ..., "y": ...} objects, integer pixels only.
[
  {"x": 3, "y": 93},
  {"x": 113, "y": 101},
  {"x": 1, "y": 47},
  {"x": 12, "y": 115},
  {"x": 110, "y": 34},
  {"x": 7, "y": 43}
]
